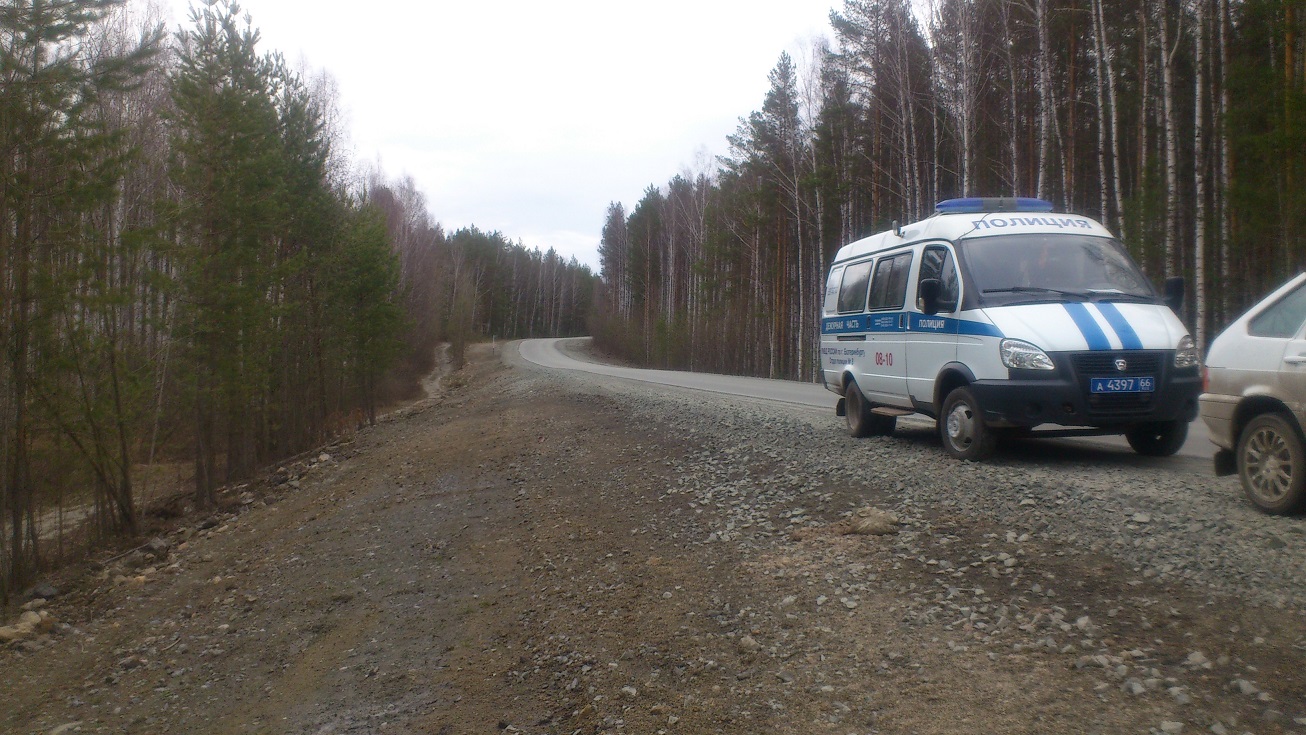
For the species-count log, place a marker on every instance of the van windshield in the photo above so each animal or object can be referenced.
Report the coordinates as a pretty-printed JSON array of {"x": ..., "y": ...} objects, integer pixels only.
[{"x": 1018, "y": 269}]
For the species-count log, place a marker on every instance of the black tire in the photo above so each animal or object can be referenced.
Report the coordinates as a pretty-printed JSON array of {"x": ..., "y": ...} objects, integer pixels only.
[
  {"x": 861, "y": 422},
  {"x": 1160, "y": 439},
  {"x": 962, "y": 427},
  {"x": 1272, "y": 464}
]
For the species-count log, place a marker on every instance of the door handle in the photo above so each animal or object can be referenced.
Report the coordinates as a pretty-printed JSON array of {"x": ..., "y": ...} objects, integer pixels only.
[{"x": 1295, "y": 359}]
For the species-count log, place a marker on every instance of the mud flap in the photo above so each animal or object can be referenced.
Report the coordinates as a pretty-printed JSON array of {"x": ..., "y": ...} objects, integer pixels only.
[{"x": 1226, "y": 463}]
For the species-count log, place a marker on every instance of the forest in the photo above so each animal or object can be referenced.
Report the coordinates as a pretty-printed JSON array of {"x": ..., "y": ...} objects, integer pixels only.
[
  {"x": 196, "y": 281},
  {"x": 1180, "y": 125}
]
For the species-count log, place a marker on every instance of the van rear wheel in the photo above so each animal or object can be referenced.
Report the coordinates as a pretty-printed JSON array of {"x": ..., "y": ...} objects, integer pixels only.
[
  {"x": 962, "y": 427},
  {"x": 861, "y": 422}
]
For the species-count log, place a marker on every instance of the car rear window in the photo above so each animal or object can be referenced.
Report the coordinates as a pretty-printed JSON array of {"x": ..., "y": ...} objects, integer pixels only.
[{"x": 1281, "y": 319}]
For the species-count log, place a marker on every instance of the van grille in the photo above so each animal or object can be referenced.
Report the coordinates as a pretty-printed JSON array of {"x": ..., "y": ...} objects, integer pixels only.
[{"x": 1102, "y": 364}]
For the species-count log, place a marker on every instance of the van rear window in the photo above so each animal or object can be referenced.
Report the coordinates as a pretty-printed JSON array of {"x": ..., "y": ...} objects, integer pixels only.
[{"x": 852, "y": 294}]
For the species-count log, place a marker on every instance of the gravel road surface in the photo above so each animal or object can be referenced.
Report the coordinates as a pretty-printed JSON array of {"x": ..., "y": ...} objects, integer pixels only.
[{"x": 538, "y": 551}]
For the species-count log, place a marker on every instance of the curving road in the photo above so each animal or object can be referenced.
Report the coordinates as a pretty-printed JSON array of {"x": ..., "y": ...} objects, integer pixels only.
[
  {"x": 568, "y": 354},
  {"x": 554, "y": 353}
]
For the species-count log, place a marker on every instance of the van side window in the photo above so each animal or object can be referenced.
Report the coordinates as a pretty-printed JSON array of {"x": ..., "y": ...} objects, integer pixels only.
[
  {"x": 830, "y": 302},
  {"x": 852, "y": 295},
  {"x": 889, "y": 289},
  {"x": 1282, "y": 319},
  {"x": 937, "y": 263}
]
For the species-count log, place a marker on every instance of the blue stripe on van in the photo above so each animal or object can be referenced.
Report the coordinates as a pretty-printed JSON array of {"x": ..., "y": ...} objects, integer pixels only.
[
  {"x": 977, "y": 329},
  {"x": 1088, "y": 327},
  {"x": 887, "y": 322},
  {"x": 860, "y": 323},
  {"x": 1128, "y": 337}
]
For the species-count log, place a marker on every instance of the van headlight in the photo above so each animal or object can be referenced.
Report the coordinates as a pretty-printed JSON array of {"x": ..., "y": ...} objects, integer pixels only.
[
  {"x": 1185, "y": 355},
  {"x": 1020, "y": 355}
]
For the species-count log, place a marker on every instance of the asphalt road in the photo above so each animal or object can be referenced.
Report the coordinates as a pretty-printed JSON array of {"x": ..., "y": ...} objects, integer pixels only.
[{"x": 554, "y": 354}]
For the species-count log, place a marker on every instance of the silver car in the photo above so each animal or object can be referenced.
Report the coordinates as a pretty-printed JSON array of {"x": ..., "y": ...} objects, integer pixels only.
[{"x": 1255, "y": 399}]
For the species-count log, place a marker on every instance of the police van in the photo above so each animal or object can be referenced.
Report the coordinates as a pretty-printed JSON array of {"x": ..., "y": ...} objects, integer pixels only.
[{"x": 999, "y": 318}]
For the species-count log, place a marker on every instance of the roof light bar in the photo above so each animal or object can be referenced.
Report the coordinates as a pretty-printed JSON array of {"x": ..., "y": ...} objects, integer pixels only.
[{"x": 973, "y": 205}]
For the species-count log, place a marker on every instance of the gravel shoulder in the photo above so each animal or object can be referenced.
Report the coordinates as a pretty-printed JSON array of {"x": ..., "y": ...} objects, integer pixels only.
[{"x": 538, "y": 552}]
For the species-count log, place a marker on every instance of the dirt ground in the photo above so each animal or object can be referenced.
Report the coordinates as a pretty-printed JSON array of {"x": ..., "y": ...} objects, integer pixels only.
[{"x": 510, "y": 556}]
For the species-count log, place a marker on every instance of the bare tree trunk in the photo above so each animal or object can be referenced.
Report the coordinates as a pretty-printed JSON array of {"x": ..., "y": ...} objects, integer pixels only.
[
  {"x": 968, "y": 92},
  {"x": 1226, "y": 160},
  {"x": 1200, "y": 161},
  {"x": 18, "y": 488},
  {"x": 1013, "y": 107},
  {"x": 1173, "y": 262},
  {"x": 1290, "y": 240},
  {"x": 972, "y": 94},
  {"x": 1144, "y": 128},
  {"x": 1118, "y": 190},
  {"x": 1045, "y": 94},
  {"x": 800, "y": 337},
  {"x": 1066, "y": 140},
  {"x": 1100, "y": 52}
]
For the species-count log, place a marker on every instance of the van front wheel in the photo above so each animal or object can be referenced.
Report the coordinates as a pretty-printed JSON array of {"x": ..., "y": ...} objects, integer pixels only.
[
  {"x": 962, "y": 427},
  {"x": 1160, "y": 439}
]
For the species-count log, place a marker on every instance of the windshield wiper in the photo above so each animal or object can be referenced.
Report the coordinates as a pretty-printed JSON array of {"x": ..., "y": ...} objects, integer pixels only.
[
  {"x": 1114, "y": 294},
  {"x": 1038, "y": 289}
]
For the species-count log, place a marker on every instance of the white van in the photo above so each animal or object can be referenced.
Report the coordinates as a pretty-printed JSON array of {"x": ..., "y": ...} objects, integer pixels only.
[{"x": 996, "y": 316}]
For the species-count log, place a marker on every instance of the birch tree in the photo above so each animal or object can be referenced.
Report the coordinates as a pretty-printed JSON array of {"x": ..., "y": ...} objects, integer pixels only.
[
  {"x": 1201, "y": 10},
  {"x": 1108, "y": 120},
  {"x": 1047, "y": 104},
  {"x": 1170, "y": 122},
  {"x": 614, "y": 254},
  {"x": 1226, "y": 155},
  {"x": 955, "y": 37}
]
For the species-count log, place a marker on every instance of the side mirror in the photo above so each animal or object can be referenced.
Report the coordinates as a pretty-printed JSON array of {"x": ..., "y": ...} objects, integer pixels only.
[
  {"x": 1174, "y": 293},
  {"x": 927, "y": 295}
]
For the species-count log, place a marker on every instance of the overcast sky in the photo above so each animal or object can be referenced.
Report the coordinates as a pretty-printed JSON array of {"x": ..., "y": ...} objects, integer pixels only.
[{"x": 529, "y": 116}]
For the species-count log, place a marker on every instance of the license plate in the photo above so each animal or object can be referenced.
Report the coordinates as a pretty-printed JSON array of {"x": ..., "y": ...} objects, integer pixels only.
[{"x": 1122, "y": 385}]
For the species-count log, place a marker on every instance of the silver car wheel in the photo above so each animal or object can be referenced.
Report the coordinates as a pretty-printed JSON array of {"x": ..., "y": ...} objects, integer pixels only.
[
  {"x": 1269, "y": 464},
  {"x": 1272, "y": 464}
]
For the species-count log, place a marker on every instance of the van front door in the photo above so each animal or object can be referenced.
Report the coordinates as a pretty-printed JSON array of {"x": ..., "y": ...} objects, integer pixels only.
[{"x": 932, "y": 338}]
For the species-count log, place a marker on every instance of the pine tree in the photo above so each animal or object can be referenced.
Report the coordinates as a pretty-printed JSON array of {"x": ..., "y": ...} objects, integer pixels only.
[
  {"x": 59, "y": 164},
  {"x": 228, "y": 169},
  {"x": 361, "y": 280}
]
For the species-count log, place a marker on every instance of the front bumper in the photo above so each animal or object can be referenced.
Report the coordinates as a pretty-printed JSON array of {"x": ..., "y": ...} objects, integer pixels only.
[{"x": 1063, "y": 397}]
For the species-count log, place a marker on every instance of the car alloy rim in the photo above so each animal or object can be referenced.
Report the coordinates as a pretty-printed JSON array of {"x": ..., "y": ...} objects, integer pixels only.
[{"x": 1269, "y": 464}]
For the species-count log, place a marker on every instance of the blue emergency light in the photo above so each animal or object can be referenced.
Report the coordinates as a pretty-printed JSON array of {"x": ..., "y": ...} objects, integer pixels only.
[{"x": 973, "y": 205}]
